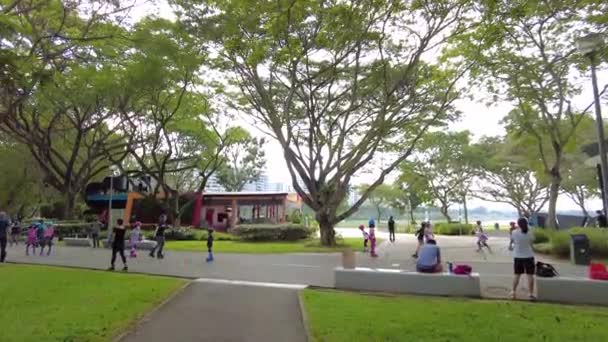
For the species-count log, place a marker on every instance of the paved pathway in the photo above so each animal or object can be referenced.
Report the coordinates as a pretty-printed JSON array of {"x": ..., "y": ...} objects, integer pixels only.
[
  {"x": 217, "y": 312},
  {"x": 311, "y": 269}
]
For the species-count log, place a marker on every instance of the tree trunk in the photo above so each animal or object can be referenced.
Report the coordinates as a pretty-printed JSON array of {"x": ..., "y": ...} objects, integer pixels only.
[
  {"x": 466, "y": 210},
  {"x": 553, "y": 195},
  {"x": 444, "y": 212},
  {"x": 68, "y": 210},
  {"x": 177, "y": 215},
  {"x": 412, "y": 219},
  {"x": 379, "y": 209},
  {"x": 328, "y": 235}
]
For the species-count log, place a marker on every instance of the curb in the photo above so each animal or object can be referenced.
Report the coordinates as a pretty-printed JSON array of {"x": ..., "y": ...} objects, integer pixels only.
[
  {"x": 103, "y": 270},
  {"x": 148, "y": 315},
  {"x": 304, "y": 316}
]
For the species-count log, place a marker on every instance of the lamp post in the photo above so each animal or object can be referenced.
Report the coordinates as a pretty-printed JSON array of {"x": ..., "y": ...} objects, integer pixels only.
[
  {"x": 589, "y": 46},
  {"x": 112, "y": 172}
]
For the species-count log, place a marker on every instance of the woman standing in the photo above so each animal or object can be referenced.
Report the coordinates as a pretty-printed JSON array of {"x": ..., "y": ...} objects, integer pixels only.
[{"x": 523, "y": 255}]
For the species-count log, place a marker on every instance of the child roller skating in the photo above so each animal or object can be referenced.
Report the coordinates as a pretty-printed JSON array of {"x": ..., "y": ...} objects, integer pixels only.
[
  {"x": 372, "y": 237},
  {"x": 365, "y": 238},
  {"x": 210, "y": 245},
  {"x": 134, "y": 239}
]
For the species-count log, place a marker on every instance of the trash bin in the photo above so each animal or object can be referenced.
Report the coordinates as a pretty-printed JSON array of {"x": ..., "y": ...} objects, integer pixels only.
[
  {"x": 348, "y": 259},
  {"x": 580, "y": 253}
]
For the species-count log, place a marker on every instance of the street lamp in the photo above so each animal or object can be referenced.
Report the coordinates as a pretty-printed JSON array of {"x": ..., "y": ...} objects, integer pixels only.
[
  {"x": 589, "y": 46},
  {"x": 113, "y": 169}
]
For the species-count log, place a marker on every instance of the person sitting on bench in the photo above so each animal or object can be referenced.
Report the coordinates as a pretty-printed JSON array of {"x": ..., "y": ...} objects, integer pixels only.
[{"x": 429, "y": 258}]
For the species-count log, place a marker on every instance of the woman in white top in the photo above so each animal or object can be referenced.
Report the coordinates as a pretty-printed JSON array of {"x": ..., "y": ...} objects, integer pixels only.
[{"x": 523, "y": 256}]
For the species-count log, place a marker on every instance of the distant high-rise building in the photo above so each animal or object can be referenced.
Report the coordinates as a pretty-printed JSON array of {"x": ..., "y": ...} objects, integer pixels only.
[
  {"x": 300, "y": 182},
  {"x": 213, "y": 185},
  {"x": 259, "y": 185}
]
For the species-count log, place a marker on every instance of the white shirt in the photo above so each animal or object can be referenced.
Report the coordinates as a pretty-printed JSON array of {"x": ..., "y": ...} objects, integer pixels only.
[{"x": 522, "y": 244}]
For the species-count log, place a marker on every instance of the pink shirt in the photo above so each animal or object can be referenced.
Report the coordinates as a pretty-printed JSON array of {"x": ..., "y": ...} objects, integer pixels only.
[
  {"x": 31, "y": 234},
  {"x": 49, "y": 232}
]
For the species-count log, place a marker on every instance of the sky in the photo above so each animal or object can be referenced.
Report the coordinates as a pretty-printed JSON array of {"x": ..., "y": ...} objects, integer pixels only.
[{"x": 478, "y": 118}]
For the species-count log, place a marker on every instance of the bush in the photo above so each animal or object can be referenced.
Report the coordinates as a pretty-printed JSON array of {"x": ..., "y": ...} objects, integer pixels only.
[
  {"x": 453, "y": 228},
  {"x": 80, "y": 229},
  {"x": 275, "y": 232},
  {"x": 541, "y": 235},
  {"x": 560, "y": 240},
  {"x": 180, "y": 234},
  {"x": 560, "y": 243},
  {"x": 295, "y": 217},
  {"x": 218, "y": 236}
]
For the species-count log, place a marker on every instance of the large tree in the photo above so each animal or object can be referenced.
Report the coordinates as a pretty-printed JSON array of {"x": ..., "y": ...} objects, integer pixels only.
[
  {"x": 526, "y": 55},
  {"x": 413, "y": 190},
  {"x": 245, "y": 161},
  {"x": 445, "y": 163},
  {"x": 21, "y": 187},
  {"x": 381, "y": 198},
  {"x": 57, "y": 90},
  {"x": 335, "y": 83},
  {"x": 505, "y": 176}
]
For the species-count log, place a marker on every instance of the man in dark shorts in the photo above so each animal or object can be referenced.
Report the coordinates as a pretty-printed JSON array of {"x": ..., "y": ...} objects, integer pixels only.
[
  {"x": 429, "y": 259},
  {"x": 523, "y": 257},
  {"x": 420, "y": 236},
  {"x": 118, "y": 245},
  {"x": 391, "y": 229}
]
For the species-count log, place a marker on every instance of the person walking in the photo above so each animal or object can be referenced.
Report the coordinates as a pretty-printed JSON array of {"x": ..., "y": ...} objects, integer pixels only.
[
  {"x": 391, "y": 229},
  {"x": 5, "y": 224},
  {"x": 40, "y": 227},
  {"x": 523, "y": 257},
  {"x": 159, "y": 236},
  {"x": 15, "y": 232},
  {"x": 135, "y": 238},
  {"x": 32, "y": 239},
  {"x": 118, "y": 245},
  {"x": 372, "y": 238},
  {"x": 482, "y": 238},
  {"x": 210, "y": 244},
  {"x": 420, "y": 236},
  {"x": 48, "y": 235},
  {"x": 94, "y": 232}
]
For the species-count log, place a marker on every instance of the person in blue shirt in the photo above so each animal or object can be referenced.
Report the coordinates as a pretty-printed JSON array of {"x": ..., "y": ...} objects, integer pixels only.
[
  {"x": 40, "y": 227},
  {"x": 372, "y": 223},
  {"x": 429, "y": 258}
]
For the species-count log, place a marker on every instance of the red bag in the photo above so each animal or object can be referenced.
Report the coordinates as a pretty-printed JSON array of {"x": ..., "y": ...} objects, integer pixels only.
[
  {"x": 462, "y": 269},
  {"x": 598, "y": 272}
]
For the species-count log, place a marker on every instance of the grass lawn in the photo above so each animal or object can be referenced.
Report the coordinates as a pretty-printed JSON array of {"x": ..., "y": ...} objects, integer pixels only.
[
  {"x": 59, "y": 304},
  {"x": 306, "y": 246},
  {"x": 341, "y": 316}
]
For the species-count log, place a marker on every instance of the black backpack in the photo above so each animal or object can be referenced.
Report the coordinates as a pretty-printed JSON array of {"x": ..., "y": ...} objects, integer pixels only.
[{"x": 545, "y": 270}]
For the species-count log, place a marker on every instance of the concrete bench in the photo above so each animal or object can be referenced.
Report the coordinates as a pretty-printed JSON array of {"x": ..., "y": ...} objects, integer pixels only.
[
  {"x": 399, "y": 281},
  {"x": 572, "y": 290},
  {"x": 142, "y": 245},
  {"x": 145, "y": 245},
  {"x": 77, "y": 242}
]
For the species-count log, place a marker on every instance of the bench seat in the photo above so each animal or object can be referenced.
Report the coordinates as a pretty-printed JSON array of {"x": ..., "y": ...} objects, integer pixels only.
[
  {"x": 572, "y": 290},
  {"x": 400, "y": 281}
]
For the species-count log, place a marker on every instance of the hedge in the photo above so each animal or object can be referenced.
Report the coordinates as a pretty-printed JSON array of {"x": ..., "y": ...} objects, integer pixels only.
[
  {"x": 272, "y": 232},
  {"x": 541, "y": 235},
  {"x": 560, "y": 240},
  {"x": 453, "y": 228}
]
